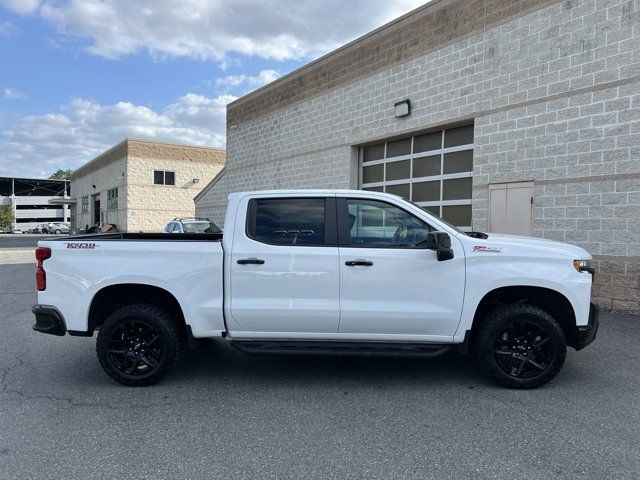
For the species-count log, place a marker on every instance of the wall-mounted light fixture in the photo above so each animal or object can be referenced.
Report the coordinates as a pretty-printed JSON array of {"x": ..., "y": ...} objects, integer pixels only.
[
  {"x": 196, "y": 180},
  {"x": 402, "y": 108}
]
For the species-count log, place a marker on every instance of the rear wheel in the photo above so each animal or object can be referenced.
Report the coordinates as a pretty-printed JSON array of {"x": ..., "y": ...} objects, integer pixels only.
[
  {"x": 520, "y": 345},
  {"x": 138, "y": 344},
  {"x": 58, "y": 232}
]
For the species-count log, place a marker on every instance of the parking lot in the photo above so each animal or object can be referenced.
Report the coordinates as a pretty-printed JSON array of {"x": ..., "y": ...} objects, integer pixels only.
[
  {"x": 19, "y": 240},
  {"x": 222, "y": 414}
]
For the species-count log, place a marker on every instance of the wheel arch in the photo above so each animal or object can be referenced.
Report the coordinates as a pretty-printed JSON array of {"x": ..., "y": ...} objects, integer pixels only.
[
  {"x": 112, "y": 297},
  {"x": 549, "y": 300}
]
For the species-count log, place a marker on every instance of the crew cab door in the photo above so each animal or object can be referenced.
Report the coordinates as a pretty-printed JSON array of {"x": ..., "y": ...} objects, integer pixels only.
[
  {"x": 284, "y": 268},
  {"x": 389, "y": 283}
]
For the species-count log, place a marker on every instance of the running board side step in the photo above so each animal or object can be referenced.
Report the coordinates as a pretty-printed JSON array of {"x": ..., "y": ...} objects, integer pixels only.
[{"x": 377, "y": 349}]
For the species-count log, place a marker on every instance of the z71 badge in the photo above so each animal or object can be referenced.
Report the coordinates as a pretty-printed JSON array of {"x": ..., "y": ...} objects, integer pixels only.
[
  {"x": 482, "y": 248},
  {"x": 82, "y": 245}
]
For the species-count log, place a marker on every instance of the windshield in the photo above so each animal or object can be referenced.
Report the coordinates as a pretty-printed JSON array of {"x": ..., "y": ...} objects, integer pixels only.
[{"x": 200, "y": 227}]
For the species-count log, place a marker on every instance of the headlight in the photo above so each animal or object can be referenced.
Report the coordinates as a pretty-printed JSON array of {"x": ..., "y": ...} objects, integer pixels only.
[{"x": 584, "y": 266}]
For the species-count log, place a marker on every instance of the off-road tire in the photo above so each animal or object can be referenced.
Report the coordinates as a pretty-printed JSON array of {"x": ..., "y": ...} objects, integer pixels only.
[
  {"x": 488, "y": 339},
  {"x": 169, "y": 343}
]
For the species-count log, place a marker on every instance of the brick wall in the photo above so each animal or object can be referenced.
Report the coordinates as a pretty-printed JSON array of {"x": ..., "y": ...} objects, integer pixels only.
[{"x": 554, "y": 97}]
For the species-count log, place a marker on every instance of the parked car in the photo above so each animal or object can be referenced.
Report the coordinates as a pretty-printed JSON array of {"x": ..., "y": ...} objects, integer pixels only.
[
  {"x": 191, "y": 225},
  {"x": 321, "y": 272},
  {"x": 58, "y": 228},
  {"x": 40, "y": 228}
]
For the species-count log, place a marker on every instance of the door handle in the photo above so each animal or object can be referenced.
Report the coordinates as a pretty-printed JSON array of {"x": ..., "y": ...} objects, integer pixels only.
[
  {"x": 250, "y": 261},
  {"x": 358, "y": 263}
]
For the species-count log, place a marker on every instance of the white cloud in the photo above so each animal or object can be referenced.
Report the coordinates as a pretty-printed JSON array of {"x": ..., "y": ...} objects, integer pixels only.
[
  {"x": 21, "y": 7},
  {"x": 248, "y": 81},
  {"x": 275, "y": 29},
  {"x": 14, "y": 94},
  {"x": 37, "y": 145},
  {"x": 7, "y": 29}
]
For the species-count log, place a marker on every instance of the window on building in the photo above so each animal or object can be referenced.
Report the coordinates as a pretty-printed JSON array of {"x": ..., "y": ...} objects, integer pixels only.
[
  {"x": 432, "y": 169},
  {"x": 85, "y": 204},
  {"x": 289, "y": 221},
  {"x": 164, "y": 177},
  {"x": 112, "y": 199}
]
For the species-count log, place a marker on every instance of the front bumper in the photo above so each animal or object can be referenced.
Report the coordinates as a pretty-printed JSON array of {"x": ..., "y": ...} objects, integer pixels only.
[
  {"x": 587, "y": 333},
  {"x": 49, "y": 320}
]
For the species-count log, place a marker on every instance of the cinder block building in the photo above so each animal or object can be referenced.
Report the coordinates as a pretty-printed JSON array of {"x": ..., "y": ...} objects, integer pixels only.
[
  {"x": 505, "y": 116},
  {"x": 140, "y": 185}
]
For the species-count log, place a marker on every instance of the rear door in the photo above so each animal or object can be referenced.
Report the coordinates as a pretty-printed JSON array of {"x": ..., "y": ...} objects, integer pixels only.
[
  {"x": 390, "y": 284},
  {"x": 285, "y": 272}
]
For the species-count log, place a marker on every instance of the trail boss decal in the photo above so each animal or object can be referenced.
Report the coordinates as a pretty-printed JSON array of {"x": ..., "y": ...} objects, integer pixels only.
[
  {"x": 82, "y": 245},
  {"x": 482, "y": 248}
]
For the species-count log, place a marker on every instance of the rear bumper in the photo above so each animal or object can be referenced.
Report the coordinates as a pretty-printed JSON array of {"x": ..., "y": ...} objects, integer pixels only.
[
  {"x": 587, "y": 333},
  {"x": 48, "y": 320}
]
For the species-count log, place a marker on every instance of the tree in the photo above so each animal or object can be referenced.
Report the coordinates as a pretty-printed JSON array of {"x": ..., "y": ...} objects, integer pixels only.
[
  {"x": 62, "y": 174},
  {"x": 6, "y": 218}
]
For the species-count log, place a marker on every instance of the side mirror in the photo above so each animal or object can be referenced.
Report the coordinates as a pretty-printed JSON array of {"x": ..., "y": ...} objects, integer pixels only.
[{"x": 441, "y": 243}]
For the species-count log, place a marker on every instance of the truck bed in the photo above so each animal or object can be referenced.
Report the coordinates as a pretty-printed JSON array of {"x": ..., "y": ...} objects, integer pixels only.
[
  {"x": 164, "y": 237},
  {"x": 187, "y": 266}
]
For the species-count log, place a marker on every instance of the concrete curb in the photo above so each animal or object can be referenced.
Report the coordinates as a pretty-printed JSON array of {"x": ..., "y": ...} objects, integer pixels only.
[{"x": 12, "y": 256}]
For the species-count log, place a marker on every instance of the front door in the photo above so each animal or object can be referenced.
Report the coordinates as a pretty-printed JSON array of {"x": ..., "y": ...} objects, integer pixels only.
[
  {"x": 96, "y": 209},
  {"x": 284, "y": 269},
  {"x": 511, "y": 208},
  {"x": 389, "y": 283}
]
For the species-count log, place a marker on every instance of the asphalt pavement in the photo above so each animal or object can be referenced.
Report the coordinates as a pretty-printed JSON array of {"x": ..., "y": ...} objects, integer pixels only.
[
  {"x": 222, "y": 414},
  {"x": 16, "y": 240}
]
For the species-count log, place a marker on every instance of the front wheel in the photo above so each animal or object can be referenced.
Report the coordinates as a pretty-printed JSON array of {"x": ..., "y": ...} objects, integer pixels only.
[
  {"x": 520, "y": 345},
  {"x": 138, "y": 344},
  {"x": 58, "y": 232}
]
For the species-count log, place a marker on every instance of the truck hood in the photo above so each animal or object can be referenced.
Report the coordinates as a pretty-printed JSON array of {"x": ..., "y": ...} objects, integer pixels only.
[{"x": 535, "y": 244}]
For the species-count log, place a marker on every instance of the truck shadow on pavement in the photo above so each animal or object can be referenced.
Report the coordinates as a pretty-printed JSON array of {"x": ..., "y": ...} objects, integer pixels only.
[{"x": 219, "y": 361}]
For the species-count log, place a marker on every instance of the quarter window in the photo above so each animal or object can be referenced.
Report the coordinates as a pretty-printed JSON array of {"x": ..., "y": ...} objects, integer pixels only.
[
  {"x": 164, "y": 177},
  {"x": 378, "y": 224},
  {"x": 289, "y": 221},
  {"x": 432, "y": 170}
]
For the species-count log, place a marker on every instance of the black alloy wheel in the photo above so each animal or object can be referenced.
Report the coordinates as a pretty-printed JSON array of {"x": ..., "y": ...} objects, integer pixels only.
[
  {"x": 138, "y": 344},
  {"x": 519, "y": 345},
  {"x": 135, "y": 348},
  {"x": 524, "y": 350}
]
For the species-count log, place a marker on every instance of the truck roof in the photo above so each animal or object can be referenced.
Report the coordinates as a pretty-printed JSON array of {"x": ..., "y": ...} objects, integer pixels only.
[{"x": 303, "y": 191}]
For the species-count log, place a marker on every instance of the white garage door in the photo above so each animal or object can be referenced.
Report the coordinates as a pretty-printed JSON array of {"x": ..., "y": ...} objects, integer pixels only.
[{"x": 432, "y": 169}]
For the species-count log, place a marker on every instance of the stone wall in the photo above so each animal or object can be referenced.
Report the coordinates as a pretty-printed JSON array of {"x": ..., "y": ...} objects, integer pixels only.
[
  {"x": 143, "y": 206},
  {"x": 150, "y": 206}
]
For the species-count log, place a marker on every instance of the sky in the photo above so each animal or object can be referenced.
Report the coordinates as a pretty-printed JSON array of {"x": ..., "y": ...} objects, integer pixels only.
[{"x": 79, "y": 76}]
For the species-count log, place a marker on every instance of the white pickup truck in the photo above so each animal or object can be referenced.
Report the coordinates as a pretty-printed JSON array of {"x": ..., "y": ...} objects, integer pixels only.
[{"x": 320, "y": 272}]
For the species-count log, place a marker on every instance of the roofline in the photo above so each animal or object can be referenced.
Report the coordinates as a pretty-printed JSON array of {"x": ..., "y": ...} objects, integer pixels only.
[
  {"x": 95, "y": 159},
  {"x": 165, "y": 142},
  {"x": 128, "y": 140},
  {"x": 313, "y": 63},
  {"x": 35, "y": 179},
  {"x": 213, "y": 181}
]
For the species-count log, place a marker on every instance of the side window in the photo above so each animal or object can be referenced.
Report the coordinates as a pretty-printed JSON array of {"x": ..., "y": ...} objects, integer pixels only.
[
  {"x": 176, "y": 227},
  {"x": 289, "y": 221},
  {"x": 378, "y": 224}
]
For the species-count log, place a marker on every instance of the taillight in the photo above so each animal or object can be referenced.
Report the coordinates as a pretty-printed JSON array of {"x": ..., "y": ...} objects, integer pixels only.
[{"x": 42, "y": 253}]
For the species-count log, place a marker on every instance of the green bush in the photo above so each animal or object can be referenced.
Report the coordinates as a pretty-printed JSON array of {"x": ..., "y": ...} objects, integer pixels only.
[{"x": 6, "y": 218}]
